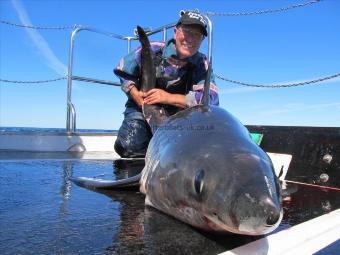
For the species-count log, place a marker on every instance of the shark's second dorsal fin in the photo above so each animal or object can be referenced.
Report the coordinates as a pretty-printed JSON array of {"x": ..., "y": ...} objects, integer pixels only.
[{"x": 206, "y": 93}]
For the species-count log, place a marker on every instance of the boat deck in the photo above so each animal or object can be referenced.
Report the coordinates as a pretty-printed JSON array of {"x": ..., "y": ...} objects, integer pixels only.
[{"x": 42, "y": 212}]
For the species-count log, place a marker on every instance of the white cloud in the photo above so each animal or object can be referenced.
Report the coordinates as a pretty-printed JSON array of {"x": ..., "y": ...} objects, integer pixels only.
[{"x": 52, "y": 60}]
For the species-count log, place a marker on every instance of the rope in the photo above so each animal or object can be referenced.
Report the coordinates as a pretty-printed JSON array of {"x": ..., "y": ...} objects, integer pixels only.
[
  {"x": 313, "y": 185},
  {"x": 207, "y": 13},
  {"x": 36, "y": 27},
  {"x": 217, "y": 75},
  {"x": 32, "y": 82},
  {"x": 278, "y": 85},
  {"x": 262, "y": 11}
]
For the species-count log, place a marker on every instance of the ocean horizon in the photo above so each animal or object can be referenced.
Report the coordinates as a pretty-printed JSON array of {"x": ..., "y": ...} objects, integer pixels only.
[{"x": 39, "y": 129}]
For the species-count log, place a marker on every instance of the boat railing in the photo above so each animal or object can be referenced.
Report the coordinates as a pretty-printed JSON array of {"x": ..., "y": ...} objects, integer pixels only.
[{"x": 71, "y": 121}]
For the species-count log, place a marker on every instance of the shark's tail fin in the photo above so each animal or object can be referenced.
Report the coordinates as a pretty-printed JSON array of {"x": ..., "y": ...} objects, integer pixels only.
[
  {"x": 155, "y": 115},
  {"x": 148, "y": 69}
]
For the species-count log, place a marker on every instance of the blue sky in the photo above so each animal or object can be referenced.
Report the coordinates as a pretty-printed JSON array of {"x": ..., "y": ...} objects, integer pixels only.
[{"x": 292, "y": 46}]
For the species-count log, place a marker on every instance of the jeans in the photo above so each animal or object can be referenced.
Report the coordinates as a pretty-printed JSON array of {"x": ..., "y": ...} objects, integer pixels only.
[{"x": 133, "y": 136}]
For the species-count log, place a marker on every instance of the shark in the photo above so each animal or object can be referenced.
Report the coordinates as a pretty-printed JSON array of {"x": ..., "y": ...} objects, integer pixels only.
[{"x": 202, "y": 167}]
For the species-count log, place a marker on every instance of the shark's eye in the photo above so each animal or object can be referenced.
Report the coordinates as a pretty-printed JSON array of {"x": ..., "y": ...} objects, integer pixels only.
[{"x": 199, "y": 181}]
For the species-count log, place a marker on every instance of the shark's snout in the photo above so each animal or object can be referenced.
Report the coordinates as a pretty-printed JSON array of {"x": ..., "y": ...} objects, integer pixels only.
[{"x": 256, "y": 215}]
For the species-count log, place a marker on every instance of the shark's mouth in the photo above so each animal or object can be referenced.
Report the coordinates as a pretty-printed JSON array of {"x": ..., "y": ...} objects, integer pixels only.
[{"x": 214, "y": 223}]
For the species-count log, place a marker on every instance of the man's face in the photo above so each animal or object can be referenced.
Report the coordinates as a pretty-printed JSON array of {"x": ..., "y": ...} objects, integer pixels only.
[{"x": 188, "y": 40}]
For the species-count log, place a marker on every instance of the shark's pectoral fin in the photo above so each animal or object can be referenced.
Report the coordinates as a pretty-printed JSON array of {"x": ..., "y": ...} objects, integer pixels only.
[
  {"x": 95, "y": 183},
  {"x": 155, "y": 115}
]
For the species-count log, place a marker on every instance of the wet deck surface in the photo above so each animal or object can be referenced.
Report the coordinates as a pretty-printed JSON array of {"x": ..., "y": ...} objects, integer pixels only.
[{"x": 42, "y": 212}]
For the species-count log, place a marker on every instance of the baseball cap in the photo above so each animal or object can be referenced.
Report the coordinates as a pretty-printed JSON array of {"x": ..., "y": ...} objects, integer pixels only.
[{"x": 193, "y": 18}]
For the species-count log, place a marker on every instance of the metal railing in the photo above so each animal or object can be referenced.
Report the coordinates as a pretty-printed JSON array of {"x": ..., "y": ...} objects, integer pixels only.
[
  {"x": 71, "y": 121},
  {"x": 70, "y": 109}
]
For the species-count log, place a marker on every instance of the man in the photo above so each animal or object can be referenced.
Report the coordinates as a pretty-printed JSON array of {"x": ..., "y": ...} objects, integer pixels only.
[{"x": 180, "y": 73}]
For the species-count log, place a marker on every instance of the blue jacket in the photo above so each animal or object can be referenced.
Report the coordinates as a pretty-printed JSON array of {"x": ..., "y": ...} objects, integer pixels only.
[{"x": 171, "y": 69}]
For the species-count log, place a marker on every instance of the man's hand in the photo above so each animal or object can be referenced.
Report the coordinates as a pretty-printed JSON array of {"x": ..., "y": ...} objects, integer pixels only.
[
  {"x": 157, "y": 96},
  {"x": 137, "y": 96}
]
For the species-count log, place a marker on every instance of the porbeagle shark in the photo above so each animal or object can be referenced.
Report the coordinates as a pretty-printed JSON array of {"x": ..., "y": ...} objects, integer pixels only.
[{"x": 202, "y": 166}]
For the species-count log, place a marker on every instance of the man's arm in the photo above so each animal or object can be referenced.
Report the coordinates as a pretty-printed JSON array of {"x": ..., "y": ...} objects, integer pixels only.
[
  {"x": 137, "y": 96},
  {"x": 128, "y": 69},
  {"x": 194, "y": 97},
  {"x": 159, "y": 96}
]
